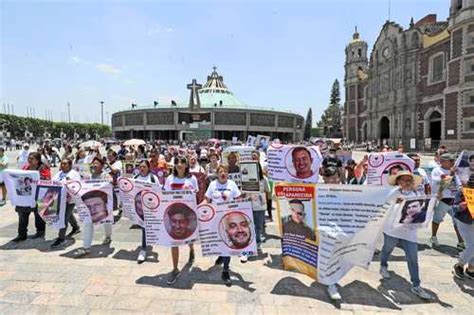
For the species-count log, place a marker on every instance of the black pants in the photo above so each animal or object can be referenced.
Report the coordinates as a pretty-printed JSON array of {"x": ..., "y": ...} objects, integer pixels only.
[
  {"x": 23, "y": 218},
  {"x": 68, "y": 218}
]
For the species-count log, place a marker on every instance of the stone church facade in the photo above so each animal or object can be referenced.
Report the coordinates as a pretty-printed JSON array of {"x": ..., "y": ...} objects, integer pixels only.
[{"x": 418, "y": 83}]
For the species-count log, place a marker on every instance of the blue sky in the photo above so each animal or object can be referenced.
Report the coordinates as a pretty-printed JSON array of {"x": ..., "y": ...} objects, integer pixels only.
[{"x": 278, "y": 54}]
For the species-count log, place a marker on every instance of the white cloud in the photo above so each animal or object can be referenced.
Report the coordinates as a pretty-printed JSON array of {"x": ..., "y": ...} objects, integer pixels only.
[
  {"x": 78, "y": 60},
  {"x": 107, "y": 68},
  {"x": 159, "y": 30}
]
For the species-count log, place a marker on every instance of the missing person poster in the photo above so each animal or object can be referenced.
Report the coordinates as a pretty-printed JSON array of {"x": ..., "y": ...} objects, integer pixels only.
[
  {"x": 227, "y": 229},
  {"x": 328, "y": 229},
  {"x": 465, "y": 165},
  {"x": 413, "y": 212},
  {"x": 94, "y": 200},
  {"x": 469, "y": 196},
  {"x": 130, "y": 168},
  {"x": 293, "y": 163},
  {"x": 170, "y": 218},
  {"x": 249, "y": 177},
  {"x": 51, "y": 202},
  {"x": 382, "y": 165},
  {"x": 21, "y": 187},
  {"x": 296, "y": 208},
  {"x": 131, "y": 193}
]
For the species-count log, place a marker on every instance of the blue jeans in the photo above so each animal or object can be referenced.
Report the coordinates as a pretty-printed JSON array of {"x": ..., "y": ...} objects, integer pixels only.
[
  {"x": 258, "y": 220},
  {"x": 226, "y": 262},
  {"x": 143, "y": 238},
  {"x": 411, "y": 254}
]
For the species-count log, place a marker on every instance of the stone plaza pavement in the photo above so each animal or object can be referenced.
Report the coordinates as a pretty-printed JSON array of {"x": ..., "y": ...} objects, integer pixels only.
[{"x": 35, "y": 280}]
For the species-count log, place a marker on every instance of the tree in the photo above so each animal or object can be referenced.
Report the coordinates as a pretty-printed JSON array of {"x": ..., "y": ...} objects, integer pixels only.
[
  {"x": 308, "y": 124},
  {"x": 330, "y": 122}
]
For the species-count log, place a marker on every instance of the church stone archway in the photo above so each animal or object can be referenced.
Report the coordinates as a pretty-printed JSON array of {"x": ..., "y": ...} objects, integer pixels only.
[{"x": 384, "y": 127}]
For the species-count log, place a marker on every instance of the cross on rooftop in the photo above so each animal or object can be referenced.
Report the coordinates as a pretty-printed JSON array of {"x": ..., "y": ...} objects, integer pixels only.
[{"x": 194, "y": 101}]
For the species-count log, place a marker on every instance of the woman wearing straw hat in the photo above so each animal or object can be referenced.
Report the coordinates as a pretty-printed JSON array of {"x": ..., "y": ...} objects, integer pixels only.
[{"x": 403, "y": 235}]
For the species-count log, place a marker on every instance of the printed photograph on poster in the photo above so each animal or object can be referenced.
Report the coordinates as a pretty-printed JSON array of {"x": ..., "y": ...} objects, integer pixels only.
[
  {"x": 465, "y": 165},
  {"x": 139, "y": 206},
  {"x": 249, "y": 177},
  {"x": 259, "y": 201},
  {"x": 96, "y": 202},
  {"x": 383, "y": 165},
  {"x": 232, "y": 160},
  {"x": 48, "y": 200},
  {"x": 299, "y": 163},
  {"x": 297, "y": 218},
  {"x": 416, "y": 211},
  {"x": 130, "y": 168},
  {"x": 235, "y": 230},
  {"x": 180, "y": 221},
  {"x": 23, "y": 186}
]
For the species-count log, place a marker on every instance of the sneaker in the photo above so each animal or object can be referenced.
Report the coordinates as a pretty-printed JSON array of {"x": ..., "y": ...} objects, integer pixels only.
[
  {"x": 333, "y": 292},
  {"x": 461, "y": 246},
  {"x": 191, "y": 257},
  {"x": 469, "y": 274},
  {"x": 73, "y": 232},
  {"x": 81, "y": 252},
  {"x": 38, "y": 235},
  {"x": 226, "y": 278},
  {"x": 57, "y": 243},
  {"x": 19, "y": 238},
  {"x": 385, "y": 273},
  {"x": 107, "y": 241},
  {"x": 2, "y": 203},
  {"x": 458, "y": 271},
  {"x": 173, "y": 277},
  {"x": 421, "y": 293},
  {"x": 219, "y": 261},
  {"x": 433, "y": 241},
  {"x": 141, "y": 256},
  {"x": 244, "y": 259}
]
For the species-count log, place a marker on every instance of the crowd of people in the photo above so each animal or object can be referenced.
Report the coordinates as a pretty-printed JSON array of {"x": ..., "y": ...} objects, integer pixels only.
[{"x": 173, "y": 166}]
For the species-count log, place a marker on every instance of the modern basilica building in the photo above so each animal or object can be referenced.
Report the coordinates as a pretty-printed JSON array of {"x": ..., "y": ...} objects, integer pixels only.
[{"x": 212, "y": 112}]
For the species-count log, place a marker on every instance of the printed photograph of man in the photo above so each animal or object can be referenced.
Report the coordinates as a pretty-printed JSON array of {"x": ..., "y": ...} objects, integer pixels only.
[
  {"x": 295, "y": 223},
  {"x": 23, "y": 186},
  {"x": 302, "y": 162},
  {"x": 232, "y": 160},
  {"x": 413, "y": 211},
  {"x": 237, "y": 227},
  {"x": 139, "y": 206},
  {"x": 180, "y": 221},
  {"x": 48, "y": 202},
  {"x": 96, "y": 202}
]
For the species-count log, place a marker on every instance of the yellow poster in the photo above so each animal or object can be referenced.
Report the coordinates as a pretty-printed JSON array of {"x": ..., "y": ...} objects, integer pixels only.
[{"x": 469, "y": 195}]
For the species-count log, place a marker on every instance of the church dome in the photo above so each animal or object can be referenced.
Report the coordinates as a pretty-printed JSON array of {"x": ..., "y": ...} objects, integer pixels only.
[{"x": 216, "y": 93}]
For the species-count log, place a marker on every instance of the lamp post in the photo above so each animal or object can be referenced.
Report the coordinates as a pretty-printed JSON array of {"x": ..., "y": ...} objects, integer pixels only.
[{"x": 102, "y": 112}]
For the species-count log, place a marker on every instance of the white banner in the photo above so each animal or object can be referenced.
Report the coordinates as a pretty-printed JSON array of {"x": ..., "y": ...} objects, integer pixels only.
[
  {"x": 51, "y": 201},
  {"x": 227, "y": 229},
  {"x": 93, "y": 199},
  {"x": 382, "y": 165},
  {"x": 21, "y": 187},
  {"x": 170, "y": 217},
  {"x": 131, "y": 194},
  {"x": 293, "y": 163}
]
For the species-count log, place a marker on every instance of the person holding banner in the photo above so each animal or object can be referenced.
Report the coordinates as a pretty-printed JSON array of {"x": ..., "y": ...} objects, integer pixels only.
[
  {"x": 98, "y": 209},
  {"x": 403, "y": 235},
  {"x": 145, "y": 175},
  {"x": 220, "y": 190},
  {"x": 65, "y": 174},
  {"x": 34, "y": 164},
  {"x": 181, "y": 179},
  {"x": 465, "y": 223}
]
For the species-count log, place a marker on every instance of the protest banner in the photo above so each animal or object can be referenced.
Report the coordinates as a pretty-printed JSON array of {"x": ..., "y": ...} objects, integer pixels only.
[
  {"x": 249, "y": 177},
  {"x": 328, "y": 229},
  {"x": 469, "y": 195},
  {"x": 382, "y": 165},
  {"x": 293, "y": 163},
  {"x": 130, "y": 168},
  {"x": 84, "y": 170},
  {"x": 51, "y": 202},
  {"x": 227, "y": 229},
  {"x": 170, "y": 217},
  {"x": 131, "y": 193},
  {"x": 21, "y": 187},
  {"x": 262, "y": 142},
  {"x": 323, "y": 145},
  {"x": 465, "y": 165},
  {"x": 160, "y": 173},
  {"x": 251, "y": 141},
  {"x": 93, "y": 199}
]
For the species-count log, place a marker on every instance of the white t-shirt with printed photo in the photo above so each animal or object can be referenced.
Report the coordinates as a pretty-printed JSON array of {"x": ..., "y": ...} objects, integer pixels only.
[
  {"x": 187, "y": 183},
  {"x": 218, "y": 192}
]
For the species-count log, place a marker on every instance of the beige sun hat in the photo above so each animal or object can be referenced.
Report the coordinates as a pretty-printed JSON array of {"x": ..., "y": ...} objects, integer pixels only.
[{"x": 392, "y": 180}]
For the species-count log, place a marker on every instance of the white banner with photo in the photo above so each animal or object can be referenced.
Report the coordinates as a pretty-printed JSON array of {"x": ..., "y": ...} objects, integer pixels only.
[
  {"x": 249, "y": 177},
  {"x": 413, "y": 212},
  {"x": 93, "y": 199},
  {"x": 21, "y": 187},
  {"x": 465, "y": 165},
  {"x": 382, "y": 165},
  {"x": 293, "y": 163},
  {"x": 170, "y": 217},
  {"x": 227, "y": 229},
  {"x": 131, "y": 194},
  {"x": 51, "y": 202}
]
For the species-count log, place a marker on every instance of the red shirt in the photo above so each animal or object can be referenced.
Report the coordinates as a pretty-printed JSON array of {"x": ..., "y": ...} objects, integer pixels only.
[{"x": 44, "y": 171}]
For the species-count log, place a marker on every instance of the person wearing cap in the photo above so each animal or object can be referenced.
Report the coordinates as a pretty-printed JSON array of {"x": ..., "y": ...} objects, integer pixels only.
[
  {"x": 445, "y": 183},
  {"x": 97, "y": 172},
  {"x": 465, "y": 225},
  {"x": 403, "y": 235},
  {"x": 333, "y": 161}
]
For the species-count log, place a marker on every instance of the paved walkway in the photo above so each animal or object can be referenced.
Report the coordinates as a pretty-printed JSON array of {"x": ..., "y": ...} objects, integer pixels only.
[{"x": 36, "y": 280}]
